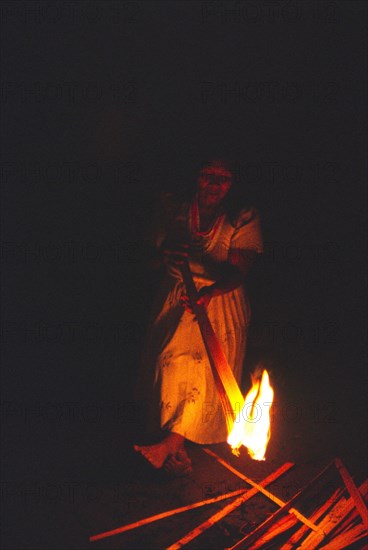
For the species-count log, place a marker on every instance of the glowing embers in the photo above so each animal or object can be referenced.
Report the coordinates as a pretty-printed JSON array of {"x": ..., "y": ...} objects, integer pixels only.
[{"x": 252, "y": 424}]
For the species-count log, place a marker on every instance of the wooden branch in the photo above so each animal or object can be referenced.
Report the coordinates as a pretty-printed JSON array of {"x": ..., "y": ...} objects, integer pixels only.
[
  {"x": 163, "y": 515},
  {"x": 353, "y": 491},
  {"x": 229, "y": 508},
  {"x": 249, "y": 539},
  {"x": 269, "y": 495}
]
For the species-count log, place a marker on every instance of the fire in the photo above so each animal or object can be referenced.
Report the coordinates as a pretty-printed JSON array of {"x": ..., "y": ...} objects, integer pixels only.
[{"x": 252, "y": 425}]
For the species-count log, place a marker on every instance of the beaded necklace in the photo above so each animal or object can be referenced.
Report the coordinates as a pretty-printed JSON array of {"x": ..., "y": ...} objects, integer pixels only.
[{"x": 203, "y": 238}]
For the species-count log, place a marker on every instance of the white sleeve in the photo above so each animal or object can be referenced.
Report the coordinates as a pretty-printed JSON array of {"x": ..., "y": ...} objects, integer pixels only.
[{"x": 247, "y": 234}]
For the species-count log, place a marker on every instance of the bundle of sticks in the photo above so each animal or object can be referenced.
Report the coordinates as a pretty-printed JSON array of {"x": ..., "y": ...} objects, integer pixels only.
[{"x": 341, "y": 521}]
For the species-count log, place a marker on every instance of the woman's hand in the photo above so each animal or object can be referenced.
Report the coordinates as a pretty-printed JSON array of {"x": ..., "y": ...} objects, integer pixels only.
[{"x": 204, "y": 297}]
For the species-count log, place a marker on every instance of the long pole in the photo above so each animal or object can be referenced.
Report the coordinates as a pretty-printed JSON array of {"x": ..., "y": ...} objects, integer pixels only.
[{"x": 230, "y": 395}]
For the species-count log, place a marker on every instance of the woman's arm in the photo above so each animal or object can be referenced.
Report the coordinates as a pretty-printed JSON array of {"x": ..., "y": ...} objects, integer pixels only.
[
  {"x": 240, "y": 262},
  {"x": 233, "y": 274}
]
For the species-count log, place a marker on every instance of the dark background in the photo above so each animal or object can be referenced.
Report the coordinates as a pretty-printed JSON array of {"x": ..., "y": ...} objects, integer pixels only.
[{"x": 104, "y": 105}]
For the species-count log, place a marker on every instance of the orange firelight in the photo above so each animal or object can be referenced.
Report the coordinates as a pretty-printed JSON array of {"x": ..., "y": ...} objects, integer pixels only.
[{"x": 252, "y": 424}]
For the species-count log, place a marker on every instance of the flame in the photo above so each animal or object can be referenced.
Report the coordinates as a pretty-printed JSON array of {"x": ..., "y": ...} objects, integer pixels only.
[{"x": 252, "y": 424}]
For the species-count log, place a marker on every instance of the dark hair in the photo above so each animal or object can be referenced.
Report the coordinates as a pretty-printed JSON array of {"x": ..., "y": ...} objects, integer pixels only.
[
  {"x": 234, "y": 201},
  {"x": 187, "y": 178}
]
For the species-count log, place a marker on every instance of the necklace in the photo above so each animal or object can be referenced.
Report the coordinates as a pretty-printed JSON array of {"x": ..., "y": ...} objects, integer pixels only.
[{"x": 194, "y": 221}]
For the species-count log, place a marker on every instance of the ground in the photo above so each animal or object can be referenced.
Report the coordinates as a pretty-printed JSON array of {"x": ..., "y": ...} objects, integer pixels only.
[
  {"x": 70, "y": 419},
  {"x": 73, "y": 474}
]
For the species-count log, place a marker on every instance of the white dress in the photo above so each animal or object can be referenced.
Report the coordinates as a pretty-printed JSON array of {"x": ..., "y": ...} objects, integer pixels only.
[{"x": 184, "y": 392}]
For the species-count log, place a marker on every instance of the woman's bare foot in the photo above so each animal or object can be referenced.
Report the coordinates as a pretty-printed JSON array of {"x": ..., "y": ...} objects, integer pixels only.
[
  {"x": 157, "y": 454},
  {"x": 178, "y": 465}
]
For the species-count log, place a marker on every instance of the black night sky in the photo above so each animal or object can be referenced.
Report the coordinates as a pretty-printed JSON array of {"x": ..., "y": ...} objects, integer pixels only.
[{"x": 105, "y": 105}]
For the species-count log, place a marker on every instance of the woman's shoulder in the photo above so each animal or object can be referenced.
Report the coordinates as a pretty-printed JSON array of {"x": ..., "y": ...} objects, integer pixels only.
[
  {"x": 247, "y": 231},
  {"x": 244, "y": 215}
]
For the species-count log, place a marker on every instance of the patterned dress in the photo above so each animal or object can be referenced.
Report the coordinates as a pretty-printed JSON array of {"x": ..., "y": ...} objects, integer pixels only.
[{"x": 185, "y": 394}]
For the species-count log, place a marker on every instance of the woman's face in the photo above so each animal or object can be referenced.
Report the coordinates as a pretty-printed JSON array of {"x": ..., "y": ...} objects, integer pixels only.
[{"x": 214, "y": 183}]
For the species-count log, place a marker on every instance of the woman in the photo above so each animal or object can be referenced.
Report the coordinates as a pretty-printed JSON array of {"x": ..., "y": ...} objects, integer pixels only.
[{"x": 220, "y": 248}]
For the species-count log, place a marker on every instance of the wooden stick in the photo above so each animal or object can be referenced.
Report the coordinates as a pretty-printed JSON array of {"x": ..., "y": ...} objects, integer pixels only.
[
  {"x": 314, "y": 517},
  {"x": 284, "y": 524},
  {"x": 353, "y": 491},
  {"x": 249, "y": 539},
  {"x": 337, "y": 507},
  {"x": 163, "y": 515},
  {"x": 229, "y": 508},
  {"x": 231, "y": 398},
  {"x": 269, "y": 495},
  {"x": 333, "y": 519},
  {"x": 353, "y": 517},
  {"x": 348, "y": 537},
  {"x": 328, "y": 524}
]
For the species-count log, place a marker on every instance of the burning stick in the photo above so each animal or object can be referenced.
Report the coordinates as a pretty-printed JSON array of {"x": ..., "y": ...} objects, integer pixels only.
[
  {"x": 226, "y": 384},
  {"x": 229, "y": 508},
  {"x": 269, "y": 495},
  {"x": 255, "y": 432},
  {"x": 163, "y": 515}
]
